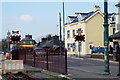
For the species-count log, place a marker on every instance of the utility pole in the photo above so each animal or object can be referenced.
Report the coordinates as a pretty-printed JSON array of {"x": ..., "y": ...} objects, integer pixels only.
[
  {"x": 106, "y": 40},
  {"x": 63, "y": 23},
  {"x": 60, "y": 31}
]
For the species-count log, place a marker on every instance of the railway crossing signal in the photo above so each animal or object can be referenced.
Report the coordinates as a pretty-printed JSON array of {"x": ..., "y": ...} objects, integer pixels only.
[
  {"x": 80, "y": 38},
  {"x": 15, "y": 38}
]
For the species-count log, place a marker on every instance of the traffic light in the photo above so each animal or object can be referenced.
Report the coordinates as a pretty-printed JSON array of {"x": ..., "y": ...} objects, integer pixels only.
[
  {"x": 80, "y": 38},
  {"x": 15, "y": 38}
]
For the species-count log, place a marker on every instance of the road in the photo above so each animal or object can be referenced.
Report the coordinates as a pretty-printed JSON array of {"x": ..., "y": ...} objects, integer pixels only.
[{"x": 89, "y": 68}]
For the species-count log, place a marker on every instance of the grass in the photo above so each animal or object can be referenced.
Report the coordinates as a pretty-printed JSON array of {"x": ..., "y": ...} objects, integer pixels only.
[{"x": 53, "y": 77}]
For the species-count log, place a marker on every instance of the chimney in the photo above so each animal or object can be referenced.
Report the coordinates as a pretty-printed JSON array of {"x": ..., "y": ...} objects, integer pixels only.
[
  {"x": 44, "y": 39},
  {"x": 96, "y": 8},
  {"x": 55, "y": 40},
  {"x": 28, "y": 36}
]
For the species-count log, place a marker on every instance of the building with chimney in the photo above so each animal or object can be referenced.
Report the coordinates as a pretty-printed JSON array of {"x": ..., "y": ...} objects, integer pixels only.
[
  {"x": 27, "y": 42},
  {"x": 91, "y": 25},
  {"x": 45, "y": 43}
]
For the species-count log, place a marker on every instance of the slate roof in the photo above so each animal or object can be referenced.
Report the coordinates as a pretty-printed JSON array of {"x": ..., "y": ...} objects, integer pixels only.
[
  {"x": 27, "y": 39},
  {"x": 46, "y": 44},
  {"x": 86, "y": 16},
  {"x": 74, "y": 21},
  {"x": 115, "y": 36},
  {"x": 118, "y": 5},
  {"x": 72, "y": 16},
  {"x": 81, "y": 13}
]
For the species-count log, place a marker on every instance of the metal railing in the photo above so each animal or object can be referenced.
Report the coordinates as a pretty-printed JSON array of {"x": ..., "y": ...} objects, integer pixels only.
[{"x": 48, "y": 59}]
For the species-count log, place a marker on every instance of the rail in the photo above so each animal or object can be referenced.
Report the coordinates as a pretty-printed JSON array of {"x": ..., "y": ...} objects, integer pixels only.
[{"x": 19, "y": 76}]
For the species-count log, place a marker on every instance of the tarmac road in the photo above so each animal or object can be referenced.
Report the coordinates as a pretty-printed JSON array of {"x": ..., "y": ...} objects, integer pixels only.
[{"x": 90, "y": 68}]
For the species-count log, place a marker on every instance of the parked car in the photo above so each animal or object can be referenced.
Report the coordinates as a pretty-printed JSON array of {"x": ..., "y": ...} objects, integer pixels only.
[
  {"x": 98, "y": 50},
  {"x": 1, "y": 52}
]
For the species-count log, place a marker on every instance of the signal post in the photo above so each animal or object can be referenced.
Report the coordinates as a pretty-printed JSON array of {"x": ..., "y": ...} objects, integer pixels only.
[
  {"x": 79, "y": 38},
  {"x": 15, "y": 39}
]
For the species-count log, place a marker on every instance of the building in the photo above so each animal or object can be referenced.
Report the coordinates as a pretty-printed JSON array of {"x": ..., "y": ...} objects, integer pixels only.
[
  {"x": 27, "y": 42},
  {"x": 91, "y": 25},
  {"x": 45, "y": 43},
  {"x": 118, "y": 16},
  {"x": 116, "y": 36}
]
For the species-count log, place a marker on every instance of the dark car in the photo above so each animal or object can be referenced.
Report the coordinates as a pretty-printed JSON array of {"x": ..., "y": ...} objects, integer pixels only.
[{"x": 98, "y": 50}]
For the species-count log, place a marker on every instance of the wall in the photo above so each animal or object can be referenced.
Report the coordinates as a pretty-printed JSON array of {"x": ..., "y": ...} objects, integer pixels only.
[
  {"x": 13, "y": 66},
  {"x": 95, "y": 31},
  {"x": 71, "y": 40}
]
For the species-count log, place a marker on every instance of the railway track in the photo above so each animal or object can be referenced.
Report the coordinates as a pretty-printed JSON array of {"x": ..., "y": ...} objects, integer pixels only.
[{"x": 19, "y": 76}]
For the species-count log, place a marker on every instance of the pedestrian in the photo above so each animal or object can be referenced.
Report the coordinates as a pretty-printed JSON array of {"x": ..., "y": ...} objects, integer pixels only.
[
  {"x": 111, "y": 49},
  {"x": 117, "y": 51},
  {"x": 7, "y": 55}
]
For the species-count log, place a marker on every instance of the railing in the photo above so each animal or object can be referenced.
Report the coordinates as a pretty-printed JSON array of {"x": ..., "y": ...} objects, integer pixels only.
[{"x": 50, "y": 59}]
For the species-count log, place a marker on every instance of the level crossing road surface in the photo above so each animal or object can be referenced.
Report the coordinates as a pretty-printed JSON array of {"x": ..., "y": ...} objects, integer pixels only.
[{"x": 89, "y": 68}]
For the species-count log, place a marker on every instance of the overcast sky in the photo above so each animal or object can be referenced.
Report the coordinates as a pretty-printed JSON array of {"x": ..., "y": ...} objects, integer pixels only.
[{"x": 40, "y": 18}]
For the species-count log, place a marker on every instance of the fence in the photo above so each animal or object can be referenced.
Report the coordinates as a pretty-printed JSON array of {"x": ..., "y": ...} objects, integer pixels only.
[{"x": 49, "y": 59}]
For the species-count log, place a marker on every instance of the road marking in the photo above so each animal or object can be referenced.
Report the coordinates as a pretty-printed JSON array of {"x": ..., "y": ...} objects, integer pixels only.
[
  {"x": 77, "y": 58},
  {"x": 70, "y": 60}
]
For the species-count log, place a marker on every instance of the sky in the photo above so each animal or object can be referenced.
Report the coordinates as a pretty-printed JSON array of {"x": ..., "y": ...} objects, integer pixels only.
[{"x": 40, "y": 18}]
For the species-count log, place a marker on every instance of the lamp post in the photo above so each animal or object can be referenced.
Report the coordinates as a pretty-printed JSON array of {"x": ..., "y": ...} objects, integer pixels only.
[{"x": 106, "y": 40}]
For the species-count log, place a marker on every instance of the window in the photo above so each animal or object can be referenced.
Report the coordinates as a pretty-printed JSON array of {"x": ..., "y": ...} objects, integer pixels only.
[
  {"x": 113, "y": 30},
  {"x": 79, "y": 31},
  {"x": 68, "y": 34},
  {"x": 68, "y": 47},
  {"x": 113, "y": 18},
  {"x": 24, "y": 42},
  {"x": 73, "y": 33},
  {"x": 74, "y": 47},
  {"x": 31, "y": 42}
]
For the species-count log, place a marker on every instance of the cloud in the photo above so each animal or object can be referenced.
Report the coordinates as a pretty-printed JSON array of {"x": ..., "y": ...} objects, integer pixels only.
[{"x": 26, "y": 18}]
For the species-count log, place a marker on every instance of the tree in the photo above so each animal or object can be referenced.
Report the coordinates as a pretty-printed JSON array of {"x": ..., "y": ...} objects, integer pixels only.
[{"x": 49, "y": 37}]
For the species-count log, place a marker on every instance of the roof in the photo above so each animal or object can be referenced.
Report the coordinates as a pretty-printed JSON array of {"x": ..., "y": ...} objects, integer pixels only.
[
  {"x": 115, "y": 36},
  {"x": 86, "y": 16},
  {"x": 27, "y": 39},
  {"x": 46, "y": 44},
  {"x": 118, "y": 5},
  {"x": 74, "y": 21},
  {"x": 72, "y": 16},
  {"x": 81, "y": 13}
]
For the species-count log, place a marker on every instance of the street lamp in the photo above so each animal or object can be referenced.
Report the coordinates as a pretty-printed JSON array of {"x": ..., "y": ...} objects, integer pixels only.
[{"x": 106, "y": 40}]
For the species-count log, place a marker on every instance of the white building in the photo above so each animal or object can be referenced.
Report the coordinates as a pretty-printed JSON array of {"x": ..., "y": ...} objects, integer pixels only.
[{"x": 118, "y": 17}]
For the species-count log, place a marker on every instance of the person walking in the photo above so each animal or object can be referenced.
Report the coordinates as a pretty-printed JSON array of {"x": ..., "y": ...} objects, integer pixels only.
[
  {"x": 111, "y": 49},
  {"x": 117, "y": 52}
]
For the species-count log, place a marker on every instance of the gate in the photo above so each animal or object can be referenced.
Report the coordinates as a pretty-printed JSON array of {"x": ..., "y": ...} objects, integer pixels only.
[{"x": 48, "y": 59}]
